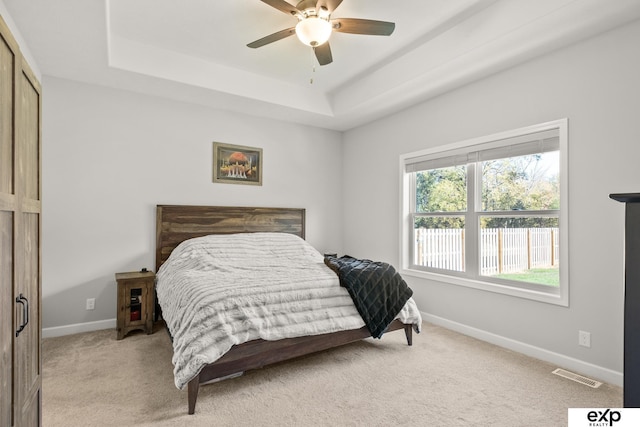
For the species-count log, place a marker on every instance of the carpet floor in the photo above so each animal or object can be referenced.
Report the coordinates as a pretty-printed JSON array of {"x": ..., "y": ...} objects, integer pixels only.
[{"x": 444, "y": 379}]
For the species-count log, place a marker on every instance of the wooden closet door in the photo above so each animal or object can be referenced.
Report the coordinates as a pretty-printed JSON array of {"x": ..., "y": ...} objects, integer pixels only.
[
  {"x": 20, "y": 230},
  {"x": 27, "y": 266},
  {"x": 8, "y": 69}
]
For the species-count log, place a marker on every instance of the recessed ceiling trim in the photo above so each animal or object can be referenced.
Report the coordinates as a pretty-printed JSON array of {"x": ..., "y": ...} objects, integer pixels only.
[
  {"x": 431, "y": 69},
  {"x": 161, "y": 63}
]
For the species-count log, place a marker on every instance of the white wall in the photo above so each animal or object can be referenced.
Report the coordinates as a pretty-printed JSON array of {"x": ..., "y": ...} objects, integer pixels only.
[
  {"x": 110, "y": 156},
  {"x": 595, "y": 85}
]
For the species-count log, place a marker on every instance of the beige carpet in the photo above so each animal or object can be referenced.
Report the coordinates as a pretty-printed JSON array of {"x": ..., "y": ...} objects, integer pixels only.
[{"x": 445, "y": 379}]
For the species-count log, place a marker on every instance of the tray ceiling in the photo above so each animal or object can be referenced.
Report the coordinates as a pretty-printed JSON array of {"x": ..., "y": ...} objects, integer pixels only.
[{"x": 195, "y": 51}]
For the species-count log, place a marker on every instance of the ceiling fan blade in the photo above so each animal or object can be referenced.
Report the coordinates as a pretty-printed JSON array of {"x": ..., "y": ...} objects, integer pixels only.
[
  {"x": 331, "y": 5},
  {"x": 272, "y": 38},
  {"x": 283, "y": 6},
  {"x": 323, "y": 54},
  {"x": 363, "y": 26}
]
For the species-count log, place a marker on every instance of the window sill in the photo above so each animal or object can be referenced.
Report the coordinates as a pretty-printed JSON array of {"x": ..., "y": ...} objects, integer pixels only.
[{"x": 557, "y": 298}]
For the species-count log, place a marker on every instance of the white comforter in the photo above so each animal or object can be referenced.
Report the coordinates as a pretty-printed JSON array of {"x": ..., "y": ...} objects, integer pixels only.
[{"x": 221, "y": 290}]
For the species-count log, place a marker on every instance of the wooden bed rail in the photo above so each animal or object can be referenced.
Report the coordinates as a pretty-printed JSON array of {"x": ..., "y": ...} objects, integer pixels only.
[{"x": 259, "y": 353}]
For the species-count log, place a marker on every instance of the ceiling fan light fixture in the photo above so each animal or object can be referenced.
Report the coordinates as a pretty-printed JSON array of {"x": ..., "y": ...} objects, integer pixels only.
[{"x": 313, "y": 31}]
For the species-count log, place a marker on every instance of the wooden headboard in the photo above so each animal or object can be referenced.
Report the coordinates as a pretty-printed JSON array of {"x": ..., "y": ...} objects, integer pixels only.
[{"x": 177, "y": 223}]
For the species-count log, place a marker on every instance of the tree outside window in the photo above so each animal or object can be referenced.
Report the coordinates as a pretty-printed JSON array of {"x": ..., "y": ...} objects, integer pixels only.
[{"x": 490, "y": 211}]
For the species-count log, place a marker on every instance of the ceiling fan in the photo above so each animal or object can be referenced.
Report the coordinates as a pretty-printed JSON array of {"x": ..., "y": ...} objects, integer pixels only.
[{"x": 315, "y": 26}]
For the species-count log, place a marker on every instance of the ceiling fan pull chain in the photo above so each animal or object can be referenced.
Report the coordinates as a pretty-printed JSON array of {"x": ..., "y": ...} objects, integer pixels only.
[{"x": 313, "y": 64}]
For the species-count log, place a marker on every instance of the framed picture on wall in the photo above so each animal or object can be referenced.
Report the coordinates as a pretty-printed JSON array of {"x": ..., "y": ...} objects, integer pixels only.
[{"x": 236, "y": 164}]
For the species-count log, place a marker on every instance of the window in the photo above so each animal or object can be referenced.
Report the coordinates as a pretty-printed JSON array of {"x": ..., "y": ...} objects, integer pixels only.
[{"x": 490, "y": 213}]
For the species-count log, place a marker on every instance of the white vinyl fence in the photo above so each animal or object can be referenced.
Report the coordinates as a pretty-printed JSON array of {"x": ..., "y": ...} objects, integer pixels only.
[{"x": 502, "y": 250}]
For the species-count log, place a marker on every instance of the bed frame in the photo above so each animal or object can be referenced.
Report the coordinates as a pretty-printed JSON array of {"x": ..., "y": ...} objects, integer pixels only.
[{"x": 176, "y": 223}]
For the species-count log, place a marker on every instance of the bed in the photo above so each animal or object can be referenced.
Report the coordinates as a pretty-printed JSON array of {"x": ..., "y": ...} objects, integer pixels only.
[{"x": 196, "y": 224}]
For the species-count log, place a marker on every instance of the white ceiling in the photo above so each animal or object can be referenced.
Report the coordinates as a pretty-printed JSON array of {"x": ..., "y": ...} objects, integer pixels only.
[{"x": 195, "y": 50}]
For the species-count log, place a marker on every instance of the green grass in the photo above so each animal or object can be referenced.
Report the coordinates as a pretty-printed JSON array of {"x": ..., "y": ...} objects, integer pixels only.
[{"x": 543, "y": 276}]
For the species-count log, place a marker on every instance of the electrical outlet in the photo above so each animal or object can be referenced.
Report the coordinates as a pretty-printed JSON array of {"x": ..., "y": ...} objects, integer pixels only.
[
  {"x": 584, "y": 339},
  {"x": 91, "y": 303}
]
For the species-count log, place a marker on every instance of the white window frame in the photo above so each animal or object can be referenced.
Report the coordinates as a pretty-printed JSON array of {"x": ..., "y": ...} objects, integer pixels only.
[{"x": 557, "y": 296}]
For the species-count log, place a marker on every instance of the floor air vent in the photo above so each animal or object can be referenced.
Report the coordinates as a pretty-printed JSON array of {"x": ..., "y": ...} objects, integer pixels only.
[{"x": 577, "y": 378}]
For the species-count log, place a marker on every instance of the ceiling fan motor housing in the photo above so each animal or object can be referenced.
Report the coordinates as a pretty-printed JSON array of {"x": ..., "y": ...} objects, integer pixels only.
[
  {"x": 313, "y": 28},
  {"x": 307, "y": 6}
]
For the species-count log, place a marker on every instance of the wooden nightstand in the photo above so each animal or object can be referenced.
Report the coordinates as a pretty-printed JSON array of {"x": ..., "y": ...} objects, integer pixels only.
[{"x": 135, "y": 301}]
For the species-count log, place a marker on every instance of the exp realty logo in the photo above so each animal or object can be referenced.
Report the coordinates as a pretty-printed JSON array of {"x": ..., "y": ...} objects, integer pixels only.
[{"x": 604, "y": 417}]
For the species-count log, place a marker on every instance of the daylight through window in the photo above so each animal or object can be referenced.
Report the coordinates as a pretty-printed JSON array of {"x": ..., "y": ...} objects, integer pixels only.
[{"x": 487, "y": 213}]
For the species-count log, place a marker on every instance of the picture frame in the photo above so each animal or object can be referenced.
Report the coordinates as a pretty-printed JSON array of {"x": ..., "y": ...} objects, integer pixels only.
[{"x": 237, "y": 164}]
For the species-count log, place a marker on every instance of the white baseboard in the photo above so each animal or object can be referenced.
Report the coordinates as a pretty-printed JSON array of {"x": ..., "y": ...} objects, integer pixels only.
[
  {"x": 578, "y": 366},
  {"x": 76, "y": 328}
]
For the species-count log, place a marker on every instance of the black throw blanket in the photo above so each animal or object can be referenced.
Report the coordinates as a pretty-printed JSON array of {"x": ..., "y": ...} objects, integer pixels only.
[{"x": 377, "y": 289}]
